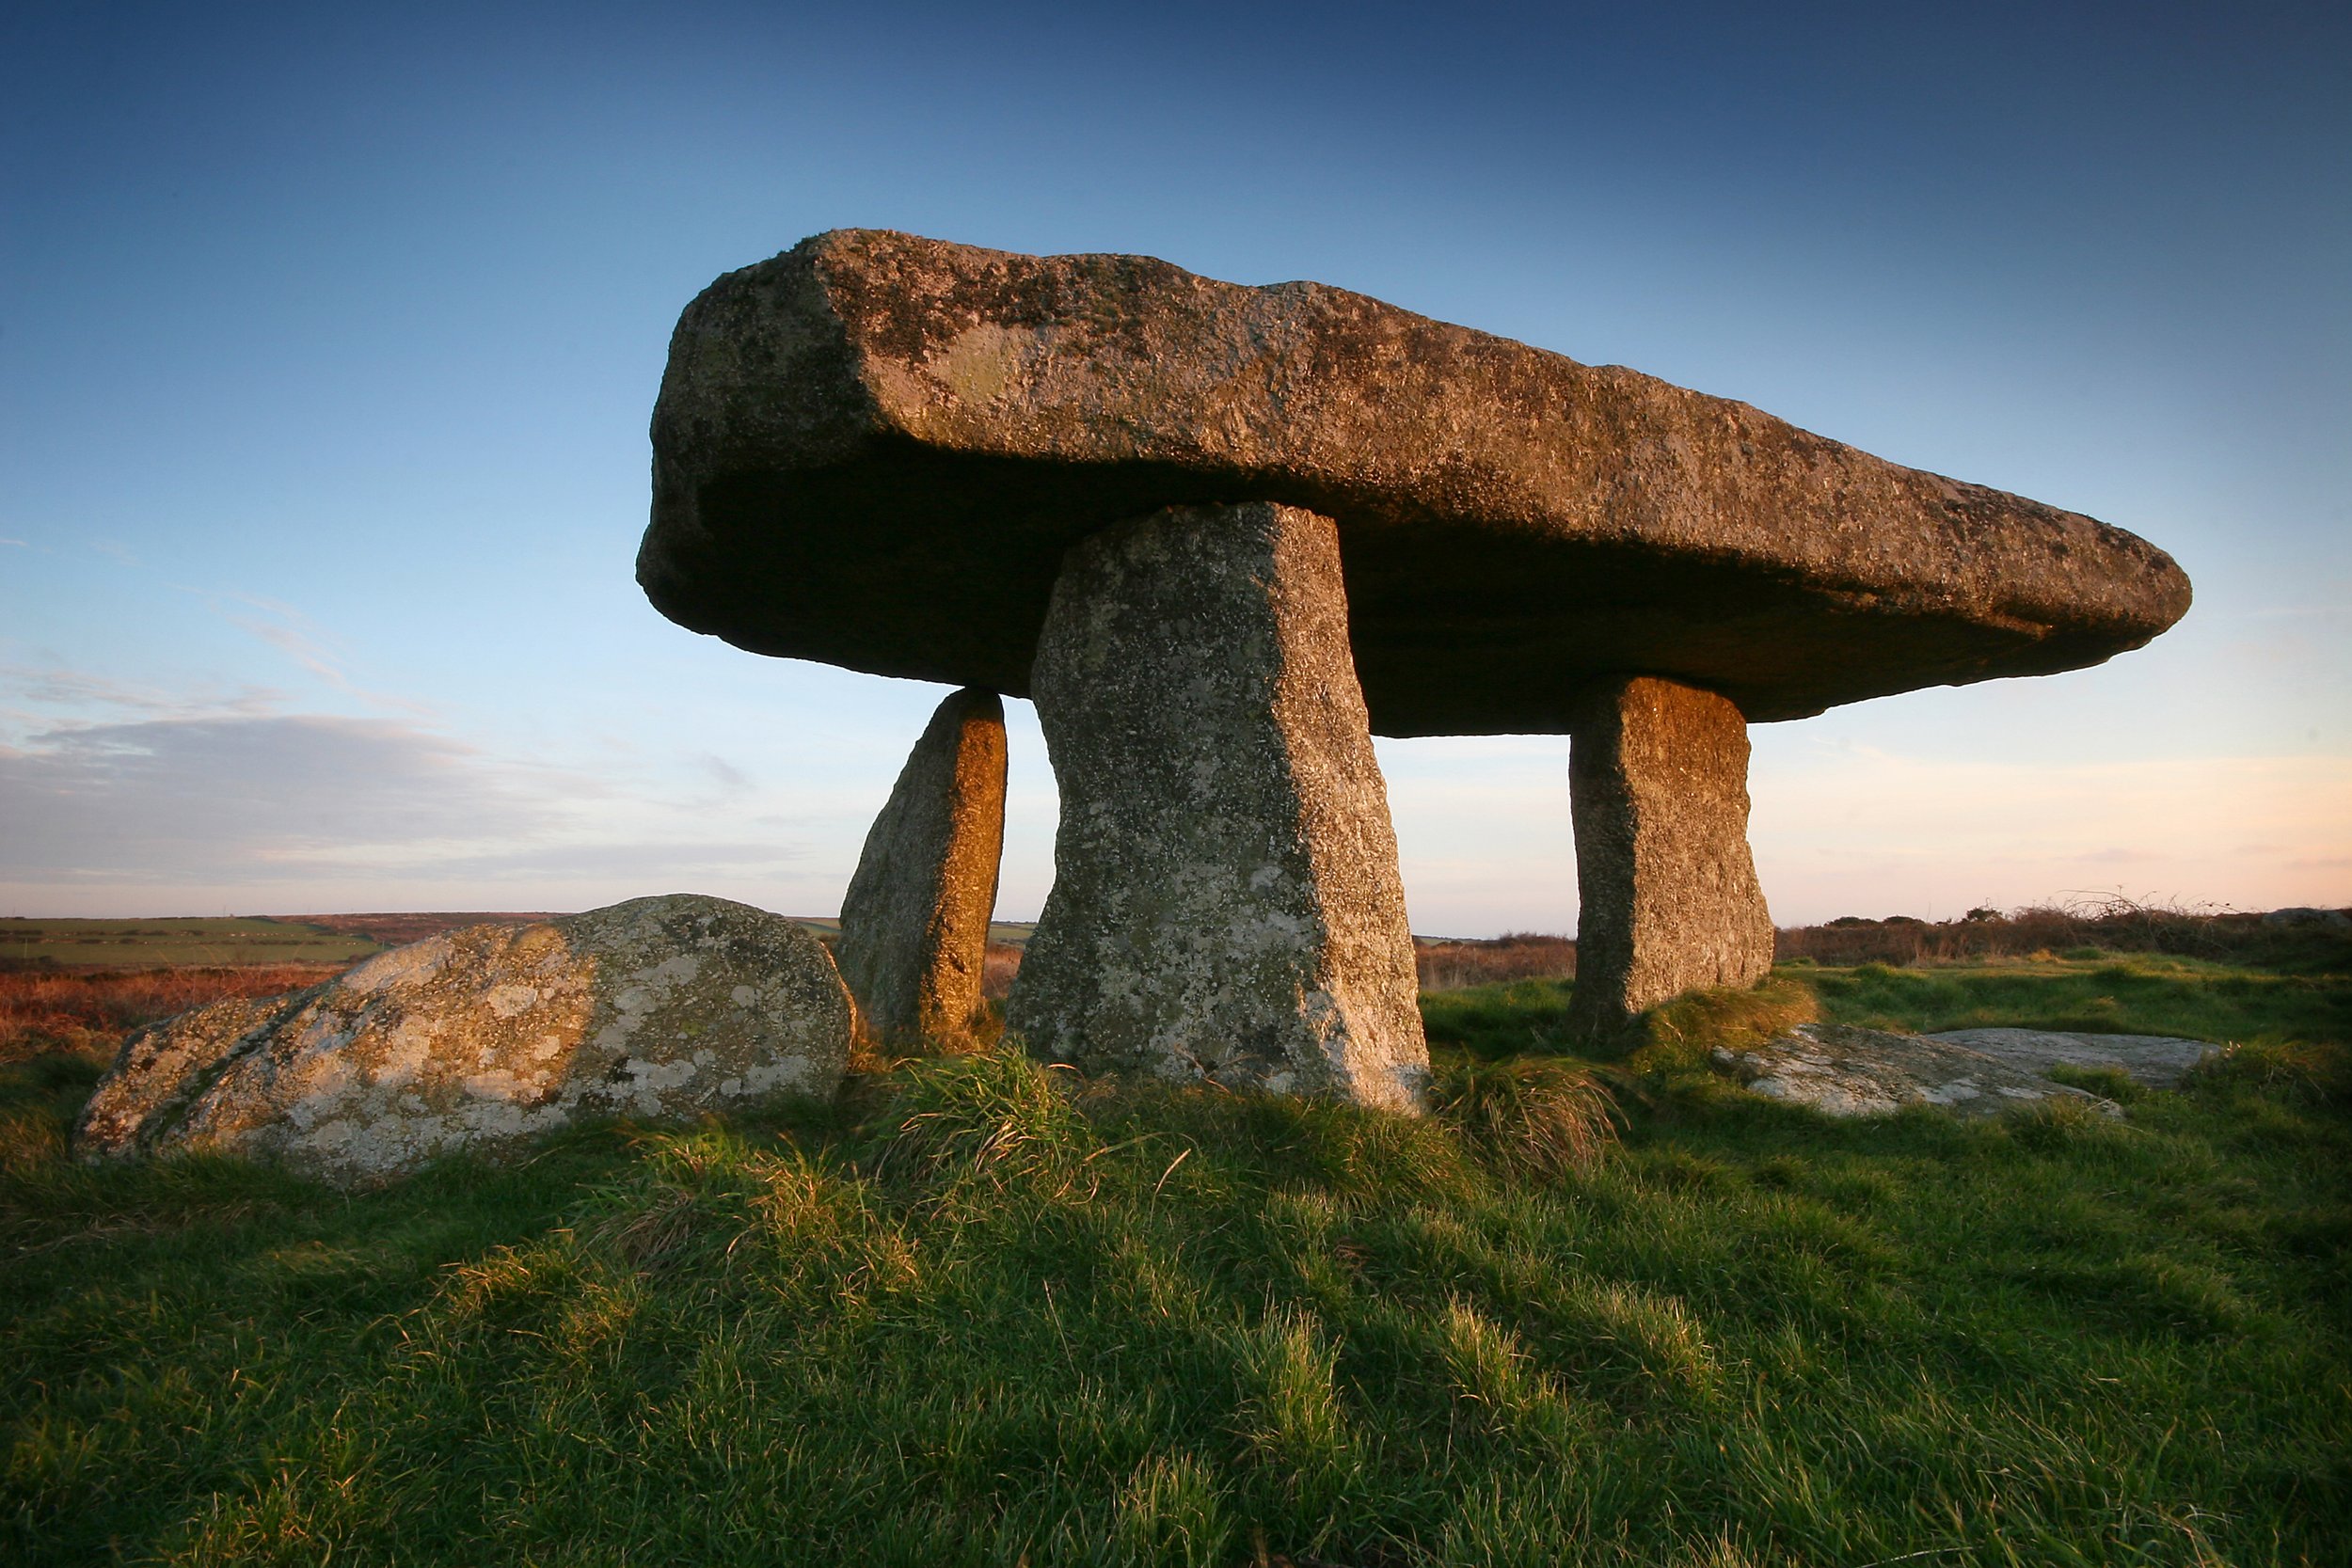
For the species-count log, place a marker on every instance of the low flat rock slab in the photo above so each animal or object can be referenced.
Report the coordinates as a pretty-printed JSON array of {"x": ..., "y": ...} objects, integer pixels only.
[
  {"x": 874, "y": 449},
  {"x": 1844, "y": 1072},
  {"x": 486, "y": 1038},
  {"x": 2156, "y": 1061}
]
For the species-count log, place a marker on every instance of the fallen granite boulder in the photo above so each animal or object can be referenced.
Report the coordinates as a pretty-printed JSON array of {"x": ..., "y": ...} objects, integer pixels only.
[
  {"x": 1841, "y": 1071},
  {"x": 2153, "y": 1061},
  {"x": 486, "y": 1037}
]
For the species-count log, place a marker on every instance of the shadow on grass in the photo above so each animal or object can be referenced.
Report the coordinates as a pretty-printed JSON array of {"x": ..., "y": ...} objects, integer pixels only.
[{"x": 977, "y": 1313}]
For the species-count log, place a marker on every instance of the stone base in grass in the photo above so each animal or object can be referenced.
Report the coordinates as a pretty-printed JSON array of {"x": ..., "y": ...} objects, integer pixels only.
[
  {"x": 486, "y": 1038},
  {"x": 1845, "y": 1071},
  {"x": 2153, "y": 1061}
]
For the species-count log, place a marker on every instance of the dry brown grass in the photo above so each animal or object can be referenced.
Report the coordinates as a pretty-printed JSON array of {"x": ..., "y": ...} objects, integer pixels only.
[
  {"x": 84, "y": 1010},
  {"x": 1517, "y": 956},
  {"x": 2108, "y": 922},
  {"x": 998, "y": 967},
  {"x": 1442, "y": 965}
]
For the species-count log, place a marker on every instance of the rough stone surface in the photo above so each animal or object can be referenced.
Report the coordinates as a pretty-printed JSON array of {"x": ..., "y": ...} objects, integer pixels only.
[
  {"x": 874, "y": 449},
  {"x": 1658, "y": 781},
  {"x": 2156, "y": 1061},
  {"x": 1844, "y": 1072},
  {"x": 1225, "y": 902},
  {"x": 914, "y": 922},
  {"x": 485, "y": 1038}
]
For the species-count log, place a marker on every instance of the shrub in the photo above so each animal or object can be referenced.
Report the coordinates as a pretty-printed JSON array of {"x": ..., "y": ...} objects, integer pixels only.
[
  {"x": 1515, "y": 956},
  {"x": 2093, "y": 925},
  {"x": 90, "y": 1010}
]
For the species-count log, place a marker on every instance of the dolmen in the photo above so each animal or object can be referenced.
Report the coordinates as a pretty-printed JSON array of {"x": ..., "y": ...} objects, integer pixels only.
[{"x": 1224, "y": 535}]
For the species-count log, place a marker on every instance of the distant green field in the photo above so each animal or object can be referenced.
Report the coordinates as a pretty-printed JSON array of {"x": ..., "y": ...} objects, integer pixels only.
[
  {"x": 1009, "y": 933},
  {"x": 257, "y": 939},
  {"x": 176, "y": 944},
  {"x": 2116, "y": 993}
]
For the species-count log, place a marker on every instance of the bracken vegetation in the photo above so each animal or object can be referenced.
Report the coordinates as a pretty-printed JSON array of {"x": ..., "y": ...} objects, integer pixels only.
[
  {"x": 978, "y": 1312},
  {"x": 90, "y": 1010},
  {"x": 1515, "y": 956},
  {"x": 2088, "y": 925}
]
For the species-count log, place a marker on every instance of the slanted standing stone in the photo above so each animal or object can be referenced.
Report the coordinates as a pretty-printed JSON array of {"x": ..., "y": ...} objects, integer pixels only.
[
  {"x": 1658, "y": 781},
  {"x": 915, "y": 923},
  {"x": 1226, "y": 902}
]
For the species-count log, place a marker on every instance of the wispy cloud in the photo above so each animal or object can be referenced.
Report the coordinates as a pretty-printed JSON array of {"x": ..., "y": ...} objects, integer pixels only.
[
  {"x": 281, "y": 798},
  {"x": 295, "y": 634},
  {"x": 305, "y": 650},
  {"x": 570, "y": 858},
  {"x": 730, "y": 779},
  {"x": 81, "y": 693},
  {"x": 233, "y": 798}
]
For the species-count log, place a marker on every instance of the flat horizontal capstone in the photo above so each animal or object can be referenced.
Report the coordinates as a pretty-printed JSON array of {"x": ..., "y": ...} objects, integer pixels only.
[{"x": 873, "y": 451}]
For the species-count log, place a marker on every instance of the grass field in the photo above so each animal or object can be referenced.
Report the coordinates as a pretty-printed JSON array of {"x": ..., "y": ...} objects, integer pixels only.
[
  {"x": 1002, "y": 933},
  {"x": 342, "y": 939},
  {"x": 176, "y": 944},
  {"x": 2111, "y": 993},
  {"x": 966, "y": 1315}
]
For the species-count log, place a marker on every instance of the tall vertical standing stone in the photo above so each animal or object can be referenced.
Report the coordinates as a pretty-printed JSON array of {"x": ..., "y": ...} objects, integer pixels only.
[
  {"x": 1226, "y": 902},
  {"x": 1658, "y": 781},
  {"x": 914, "y": 922}
]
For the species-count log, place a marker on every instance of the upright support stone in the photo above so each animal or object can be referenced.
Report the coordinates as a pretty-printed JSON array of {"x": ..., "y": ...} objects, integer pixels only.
[
  {"x": 1658, "y": 781},
  {"x": 914, "y": 922},
  {"x": 1226, "y": 902}
]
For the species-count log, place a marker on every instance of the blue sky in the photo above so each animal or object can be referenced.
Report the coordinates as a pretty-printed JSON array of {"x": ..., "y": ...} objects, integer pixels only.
[{"x": 328, "y": 338}]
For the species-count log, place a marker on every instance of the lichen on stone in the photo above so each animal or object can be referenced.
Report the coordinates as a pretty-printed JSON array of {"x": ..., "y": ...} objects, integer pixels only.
[{"x": 480, "y": 1039}]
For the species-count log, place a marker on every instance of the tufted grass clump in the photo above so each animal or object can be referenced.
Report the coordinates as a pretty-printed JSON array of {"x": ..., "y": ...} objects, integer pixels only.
[
  {"x": 990, "y": 1117},
  {"x": 1547, "y": 1117},
  {"x": 2107, "y": 1083},
  {"x": 2304, "y": 1073},
  {"x": 1678, "y": 1036}
]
